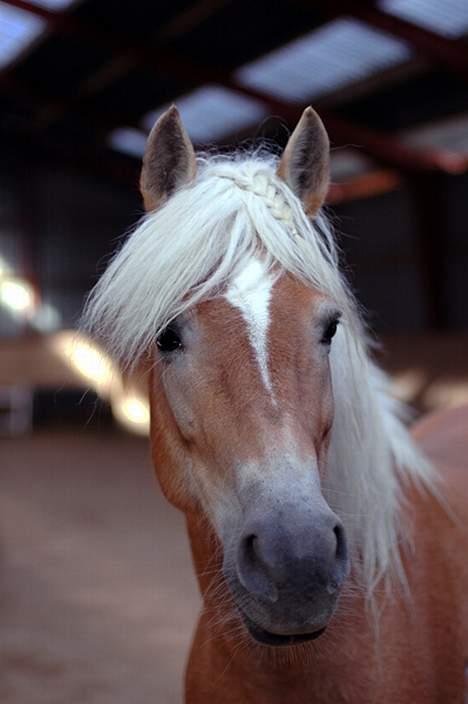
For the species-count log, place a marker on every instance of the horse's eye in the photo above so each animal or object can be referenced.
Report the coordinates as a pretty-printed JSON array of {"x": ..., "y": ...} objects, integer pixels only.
[
  {"x": 329, "y": 332},
  {"x": 169, "y": 340}
]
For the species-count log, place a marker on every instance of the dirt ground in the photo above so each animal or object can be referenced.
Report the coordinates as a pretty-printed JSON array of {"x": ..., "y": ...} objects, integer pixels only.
[{"x": 97, "y": 595}]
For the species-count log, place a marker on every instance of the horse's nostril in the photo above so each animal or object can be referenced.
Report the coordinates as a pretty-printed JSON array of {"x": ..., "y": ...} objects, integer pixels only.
[
  {"x": 341, "y": 549},
  {"x": 252, "y": 570},
  {"x": 250, "y": 552}
]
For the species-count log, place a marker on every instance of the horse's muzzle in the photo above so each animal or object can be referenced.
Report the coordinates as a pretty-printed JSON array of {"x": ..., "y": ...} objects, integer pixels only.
[{"x": 290, "y": 567}]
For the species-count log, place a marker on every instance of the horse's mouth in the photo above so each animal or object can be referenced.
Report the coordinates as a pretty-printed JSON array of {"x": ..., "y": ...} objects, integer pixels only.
[{"x": 260, "y": 635}]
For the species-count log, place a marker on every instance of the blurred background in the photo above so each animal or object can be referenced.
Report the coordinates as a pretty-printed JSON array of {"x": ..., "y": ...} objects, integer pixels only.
[{"x": 97, "y": 599}]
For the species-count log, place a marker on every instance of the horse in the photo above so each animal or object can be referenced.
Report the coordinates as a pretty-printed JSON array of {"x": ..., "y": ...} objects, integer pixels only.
[{"x": 328, "y": 539}]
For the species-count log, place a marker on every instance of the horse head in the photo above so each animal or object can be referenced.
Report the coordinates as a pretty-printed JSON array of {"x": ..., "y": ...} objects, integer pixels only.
[{"x": 241, "y": 397}]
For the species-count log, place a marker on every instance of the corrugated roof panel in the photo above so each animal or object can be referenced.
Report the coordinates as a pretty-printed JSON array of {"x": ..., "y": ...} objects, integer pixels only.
[
  {"x": 447, "y": 17},
  {"x": 341, "y": 52},
  {"x": 212, "y": 112},
  {"x": 347, "y": 163},
  {"x": 54, "y": 4},
  {"x": 451, "y": 134},
  {"x": 18, "y": 29}
]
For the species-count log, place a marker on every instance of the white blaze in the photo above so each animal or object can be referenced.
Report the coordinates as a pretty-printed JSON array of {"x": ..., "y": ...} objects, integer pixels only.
[{"x": 250, "y": 292}]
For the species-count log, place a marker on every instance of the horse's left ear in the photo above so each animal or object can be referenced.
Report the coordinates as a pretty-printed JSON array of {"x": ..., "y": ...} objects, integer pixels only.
[
  {"x": 169, "y": 161},
  {"x": 305, "y": 164}
]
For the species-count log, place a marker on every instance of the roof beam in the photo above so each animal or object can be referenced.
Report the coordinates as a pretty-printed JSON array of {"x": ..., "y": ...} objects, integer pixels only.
[{"x": 363, "y": 186}]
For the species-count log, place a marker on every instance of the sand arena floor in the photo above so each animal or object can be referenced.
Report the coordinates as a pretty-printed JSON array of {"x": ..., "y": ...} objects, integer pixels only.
[{"x": 97, "y": 595}]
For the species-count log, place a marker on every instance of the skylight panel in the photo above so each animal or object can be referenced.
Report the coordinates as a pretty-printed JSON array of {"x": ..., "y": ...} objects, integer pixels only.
[
  {"x": 348, "y": 163},
  {"x": 54, "y": 5},
  {"x": 18, "y": 29},
  {"x": 128, "y": 140},
  {"x": 212, "y": 112},
  {"x": 341, "y": 52},
  {"x": 450, "y": 134},
  {"x": 448, "y": 18}
]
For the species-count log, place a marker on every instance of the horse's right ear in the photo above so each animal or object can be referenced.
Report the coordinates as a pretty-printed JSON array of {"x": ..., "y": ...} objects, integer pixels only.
[{"x": 169, "y": 161}]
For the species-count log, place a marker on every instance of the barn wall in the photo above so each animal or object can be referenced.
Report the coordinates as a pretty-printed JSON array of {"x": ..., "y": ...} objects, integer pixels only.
[
  {"x": 57, "y": 228},
  {"x": 457, "y": 251},
  {"x": 384, "y": 247},
  {"x": 379, "y": 243}
]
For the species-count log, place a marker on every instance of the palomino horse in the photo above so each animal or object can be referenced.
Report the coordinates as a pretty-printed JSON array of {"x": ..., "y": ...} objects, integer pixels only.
[{"x": 331, "y": 555}]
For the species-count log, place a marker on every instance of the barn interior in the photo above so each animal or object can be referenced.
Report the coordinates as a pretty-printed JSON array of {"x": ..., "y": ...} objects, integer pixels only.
[{"x": 97, "y": 597}]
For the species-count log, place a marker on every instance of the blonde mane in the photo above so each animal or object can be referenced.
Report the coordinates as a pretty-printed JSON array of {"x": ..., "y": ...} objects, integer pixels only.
[{"x": 187, "y": 251}]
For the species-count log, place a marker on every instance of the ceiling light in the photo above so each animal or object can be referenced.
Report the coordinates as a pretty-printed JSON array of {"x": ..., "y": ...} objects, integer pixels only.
[
  {"x": 87, "y": 360},
  {"x": 132, "y": 411},
  {"x": 17, "y": 296}
]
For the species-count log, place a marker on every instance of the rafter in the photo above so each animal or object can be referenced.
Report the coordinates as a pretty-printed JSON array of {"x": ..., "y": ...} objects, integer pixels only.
[{"x": 363, "y": 186}]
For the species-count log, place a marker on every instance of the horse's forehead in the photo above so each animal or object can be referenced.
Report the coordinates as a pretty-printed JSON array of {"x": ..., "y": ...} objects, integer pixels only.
[
  {"x": 268, "y": 299},
  {"x": 250, "y": 292},
  {"x": 260, "y": 302},
  {"x": 262, "y": 308}
]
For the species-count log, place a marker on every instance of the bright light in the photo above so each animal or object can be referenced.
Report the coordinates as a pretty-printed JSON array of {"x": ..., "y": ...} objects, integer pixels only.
[
  {"x": 17, "y": 296},
  {"x": 132, "y": 412},
  {"x": 90, "y": 362},
  {"x": 129, "y": 407}
]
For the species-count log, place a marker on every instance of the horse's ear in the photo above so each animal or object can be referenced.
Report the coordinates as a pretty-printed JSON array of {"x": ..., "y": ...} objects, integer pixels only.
[
  {"x": 305, "y": 164},
  {"x": 169, "y": 161}
]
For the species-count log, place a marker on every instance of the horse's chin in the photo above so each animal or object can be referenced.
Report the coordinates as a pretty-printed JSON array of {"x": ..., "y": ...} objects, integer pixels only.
[{"x": 264, "y": 637}]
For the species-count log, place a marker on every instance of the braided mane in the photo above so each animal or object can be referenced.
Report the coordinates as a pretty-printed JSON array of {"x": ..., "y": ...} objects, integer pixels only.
[{"x": 265, "y": 187}]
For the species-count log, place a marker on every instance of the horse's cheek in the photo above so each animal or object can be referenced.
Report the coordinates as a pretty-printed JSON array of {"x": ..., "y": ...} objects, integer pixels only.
[{"x": 170, "y": 456}]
